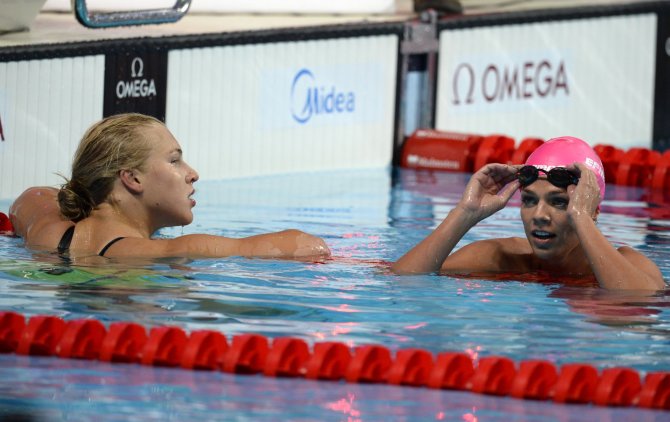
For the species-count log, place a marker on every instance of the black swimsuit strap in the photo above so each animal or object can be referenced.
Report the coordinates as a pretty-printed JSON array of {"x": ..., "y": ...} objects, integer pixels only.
[
  {"x": 64, "y": 244},
  {"x": 102, "y": 252}
]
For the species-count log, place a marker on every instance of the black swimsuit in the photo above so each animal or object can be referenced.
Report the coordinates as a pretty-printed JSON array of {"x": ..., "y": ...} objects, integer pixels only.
[{"x": 64, "y": 244}]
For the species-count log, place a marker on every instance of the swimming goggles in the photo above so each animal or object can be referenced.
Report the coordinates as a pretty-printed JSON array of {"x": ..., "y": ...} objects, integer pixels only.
[{"x": 558, "y": 176}]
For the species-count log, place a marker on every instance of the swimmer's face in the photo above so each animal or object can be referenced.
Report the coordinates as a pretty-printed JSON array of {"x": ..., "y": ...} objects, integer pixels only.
[
  {"x": 168, "y": 181},
  {"x": 545, "y": 220}
]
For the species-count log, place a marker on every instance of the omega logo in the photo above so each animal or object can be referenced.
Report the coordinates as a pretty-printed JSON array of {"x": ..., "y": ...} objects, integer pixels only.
[
  {"x": 138, "y": 86},
  {"x": 497, "y": 83},
  {"x": 137, "y": 68},
  {"x": 308, "y": 99}
]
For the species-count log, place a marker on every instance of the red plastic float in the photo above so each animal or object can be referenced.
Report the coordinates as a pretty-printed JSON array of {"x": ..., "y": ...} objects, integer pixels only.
[
  {"x": 451, "y": 371},
  {"x": 204, "y": 350},
  {"x": 41, "y": 336},
  {"x": 287, "y": 358},
  {"x": 494, "y": 149},
  {"x": 369, "y": 364},
  {"x": 164, "y": 347},
  {"x": 411, "y": 367},
  {"x": 493, "y": 375},
  {"x": 11, "y": 329},
  {"x": 6, "y": 227},
  {"x": 246, "y": 355},
  {"x": 82, "y": 339},
  {"x": 661, "y": 177},
  {"x": 636, "y": 167},
  {"x": 610, "y": 156},
  {"x": 124, "y": 343},
  {"x": 576, "y": 383},
  {"x": 437, "y": 150},
  {"x": 617, "y": 387},
  {"x": 526, "y": 147},
  {"x": 535, "y": 380},
  {"x": 329, "y": 361},
  {"x": 250, "y": 353},
  {"x": 655, "y": 392}
]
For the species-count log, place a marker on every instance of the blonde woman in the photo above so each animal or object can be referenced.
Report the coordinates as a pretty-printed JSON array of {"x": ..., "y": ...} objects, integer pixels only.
[{"x": 129, "y": 179}]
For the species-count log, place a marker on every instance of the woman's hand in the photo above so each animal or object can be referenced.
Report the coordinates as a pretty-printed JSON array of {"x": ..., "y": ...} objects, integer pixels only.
[
  {"x": 585, "y": 195},
  {"x": 489, "y": 190},
  {"x": 286, "y": 244},
  {"x": 309, "y": 246}
]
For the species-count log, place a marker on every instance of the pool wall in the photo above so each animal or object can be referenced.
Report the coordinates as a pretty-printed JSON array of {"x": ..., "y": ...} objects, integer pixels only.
[{"x": 343, "y": 96}]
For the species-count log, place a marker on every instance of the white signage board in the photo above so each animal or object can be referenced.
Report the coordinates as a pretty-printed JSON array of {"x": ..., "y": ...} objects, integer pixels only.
[
  {"x": 285, "y": 107},
  {"x": 590, "y": 78}
]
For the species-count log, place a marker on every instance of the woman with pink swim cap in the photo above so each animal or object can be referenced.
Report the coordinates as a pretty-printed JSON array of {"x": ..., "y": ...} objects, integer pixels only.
[{"x": 562, "y": 185}]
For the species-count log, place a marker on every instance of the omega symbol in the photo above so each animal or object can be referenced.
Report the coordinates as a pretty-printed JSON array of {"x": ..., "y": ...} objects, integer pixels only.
[
  {"x": 136, "y": 68},
  {"x": 470, "y": 81}
]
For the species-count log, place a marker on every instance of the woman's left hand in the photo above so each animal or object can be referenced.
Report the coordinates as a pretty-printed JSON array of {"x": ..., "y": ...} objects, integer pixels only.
[{"x": 585, "y": 195}]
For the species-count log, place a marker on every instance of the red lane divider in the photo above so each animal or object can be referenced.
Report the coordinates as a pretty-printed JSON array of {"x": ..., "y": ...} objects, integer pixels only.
[
  {"x": 247, "y": 355},
  {"x": 494, "y": 149},
  {"x": 433, "y": 149},
  {"x": 534, "y": 380},
  {"x": 610, "y": 156},
  {"x": 526, "y": 147},
  {"x": 6, "y": 228},
  {"x": 41, "y": 336},
  {"x": 451, "y": 371},
  {"x": 291, "y": 357},
  {"x": 164, "y": 347},
  {"x": 287, "y": 358},
  {"x": 451, "y": 151},
  {"x": 369, "y": 364},
  {"x": 576, "y": 383},
  {"x": 11, "y": 329},
  {"x": 494, "y": 375},
  {"x": 329, "y": 361},
  {"x": 636, "y": 167},
  {"x": 661, "y": 177},
  {"x": 124, "y": 343},
  {"x": 204, "y": 350},
  {"x": 82, "y": 339}
]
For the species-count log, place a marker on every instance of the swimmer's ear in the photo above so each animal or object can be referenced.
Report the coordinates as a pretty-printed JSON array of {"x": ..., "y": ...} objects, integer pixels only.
[{"x": 131, "y": 181}]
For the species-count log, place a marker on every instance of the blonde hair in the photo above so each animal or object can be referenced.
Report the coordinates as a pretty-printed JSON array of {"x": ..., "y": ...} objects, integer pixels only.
[{"x": 113, "y": 144}]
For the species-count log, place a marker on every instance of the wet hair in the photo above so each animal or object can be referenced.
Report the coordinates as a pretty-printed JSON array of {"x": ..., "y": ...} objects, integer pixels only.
[{"x": 113, "y": 144}]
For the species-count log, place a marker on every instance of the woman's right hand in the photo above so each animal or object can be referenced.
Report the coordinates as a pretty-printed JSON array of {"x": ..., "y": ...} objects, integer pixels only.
[
  {"x": 489, "y": 190},
  {"x": 286, "y": 244}
]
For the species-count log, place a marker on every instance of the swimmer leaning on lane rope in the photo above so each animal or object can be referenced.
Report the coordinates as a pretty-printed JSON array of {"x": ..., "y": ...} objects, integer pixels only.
[
  {"x": 129, "y": 179},
  {"x": 562, "y": 185}
]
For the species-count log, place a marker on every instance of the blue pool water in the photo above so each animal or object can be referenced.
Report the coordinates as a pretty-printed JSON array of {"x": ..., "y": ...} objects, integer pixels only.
[{"x": 368, "y": 217}]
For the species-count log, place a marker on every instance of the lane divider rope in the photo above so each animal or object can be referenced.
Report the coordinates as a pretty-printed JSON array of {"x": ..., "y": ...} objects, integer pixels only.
[
  {"x": 465, "y": 152},
  {"x": 169, "y": 346}
]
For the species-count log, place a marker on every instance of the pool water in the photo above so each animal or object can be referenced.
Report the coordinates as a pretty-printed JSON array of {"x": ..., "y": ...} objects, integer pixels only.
[{"x": 368, "y": 218}]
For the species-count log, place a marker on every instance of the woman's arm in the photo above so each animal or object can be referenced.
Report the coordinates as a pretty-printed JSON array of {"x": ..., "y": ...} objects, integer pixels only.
[
  {"x": 487, "y": 192},
  {"x": 616, "y": 269},
  {"x": 287, "y": 244}
]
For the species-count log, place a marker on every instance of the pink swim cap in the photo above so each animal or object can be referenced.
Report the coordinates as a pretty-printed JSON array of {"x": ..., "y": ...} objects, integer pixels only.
[{"x": 564, "y": 151}]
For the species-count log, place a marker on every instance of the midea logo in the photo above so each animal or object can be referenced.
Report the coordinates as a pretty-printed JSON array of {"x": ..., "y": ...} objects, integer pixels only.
[{"x": 309, "y": 99}]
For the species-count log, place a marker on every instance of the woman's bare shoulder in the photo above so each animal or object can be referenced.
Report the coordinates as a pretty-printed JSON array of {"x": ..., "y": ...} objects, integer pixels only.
[{"x": 36, "y": 217}]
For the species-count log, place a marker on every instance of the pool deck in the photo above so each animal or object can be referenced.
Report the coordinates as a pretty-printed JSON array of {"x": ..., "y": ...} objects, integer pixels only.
[{"x": 61, "y": 27}]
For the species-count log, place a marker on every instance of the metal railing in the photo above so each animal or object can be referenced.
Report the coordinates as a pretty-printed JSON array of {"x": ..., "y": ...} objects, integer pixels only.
[{"x": 128, "y": 18}]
